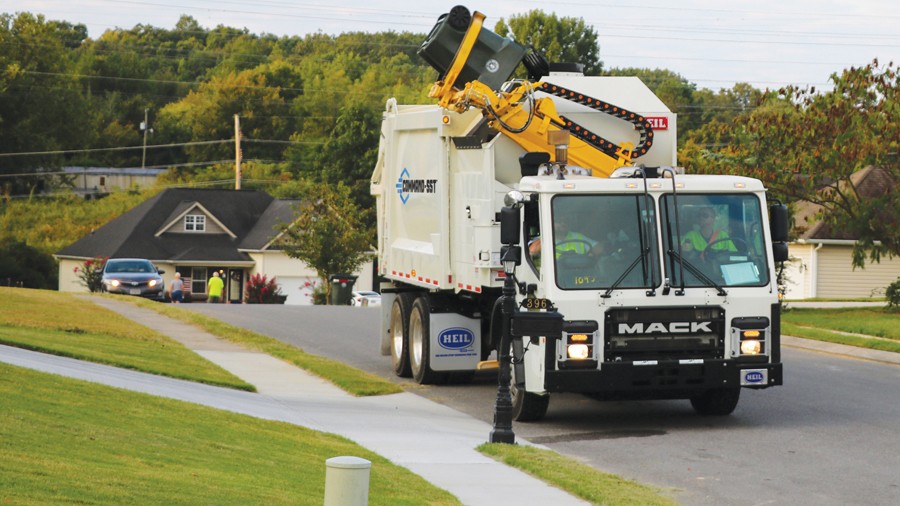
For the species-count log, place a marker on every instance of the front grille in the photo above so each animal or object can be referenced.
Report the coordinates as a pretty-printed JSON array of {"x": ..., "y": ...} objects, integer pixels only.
[{"x": 664, "y": 334}]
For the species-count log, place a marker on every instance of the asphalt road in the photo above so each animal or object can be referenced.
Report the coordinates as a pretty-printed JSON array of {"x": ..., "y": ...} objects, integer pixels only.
[{"x": 829, "y": 436}]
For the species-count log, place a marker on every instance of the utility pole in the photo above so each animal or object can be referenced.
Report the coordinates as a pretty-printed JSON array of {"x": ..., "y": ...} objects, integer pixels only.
[
  {"x": 145, "y": 126},
  {"x": 237, "y": 152}
]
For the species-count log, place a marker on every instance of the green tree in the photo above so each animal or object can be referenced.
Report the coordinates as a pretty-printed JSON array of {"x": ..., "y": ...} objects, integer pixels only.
[
  {"x": 349, "y": 154},
  {"x": 42, "y": 107},
  {"x": 559, "y": 39},
  {"x": 805, "y": 146},
  {"x": 26, "y": 266},
  {"x": 207, "y": 114},
  {"x": 674, "y": 91},
  {"x": 327, "y": 232}
]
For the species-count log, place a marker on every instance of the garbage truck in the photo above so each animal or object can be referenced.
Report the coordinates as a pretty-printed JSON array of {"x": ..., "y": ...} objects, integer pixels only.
[{"x": 662, "y": 285}]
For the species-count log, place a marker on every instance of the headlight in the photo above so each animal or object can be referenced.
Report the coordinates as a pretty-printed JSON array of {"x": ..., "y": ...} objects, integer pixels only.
[
  {"x": 579, "y": 351},
  {"x": 114, "y": 283},
  {"x": 151, "y": 283},
  {"x": 577, "y": 346},
  {"x": 749, "y": 336},
  {"x": 751, "y": 347}
]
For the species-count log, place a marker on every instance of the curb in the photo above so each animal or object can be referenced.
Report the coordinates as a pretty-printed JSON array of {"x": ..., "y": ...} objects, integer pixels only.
[{"x": 884, "y": 357}]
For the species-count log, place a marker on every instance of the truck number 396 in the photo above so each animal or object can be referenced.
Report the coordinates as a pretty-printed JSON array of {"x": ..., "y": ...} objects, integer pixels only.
[{"x": 535, "y": 303}]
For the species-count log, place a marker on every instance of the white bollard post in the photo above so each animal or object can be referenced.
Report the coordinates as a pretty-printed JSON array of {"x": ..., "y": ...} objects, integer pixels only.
[{"x": 347, "y": 481}]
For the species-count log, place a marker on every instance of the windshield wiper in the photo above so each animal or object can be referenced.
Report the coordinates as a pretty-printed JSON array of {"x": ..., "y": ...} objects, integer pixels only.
[
  {"x": 693, "y": 269},
  {"x": 642, "y": 256}
]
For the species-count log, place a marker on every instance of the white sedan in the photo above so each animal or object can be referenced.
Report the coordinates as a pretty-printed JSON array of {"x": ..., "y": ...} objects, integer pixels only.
[{"x": 365, "y": 299}]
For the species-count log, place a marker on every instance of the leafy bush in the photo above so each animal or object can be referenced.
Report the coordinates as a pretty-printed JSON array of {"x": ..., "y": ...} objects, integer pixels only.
[
  {"x": 320, "y": 294},
  {"x": 892, "y": 293},
  {"x": 91, "y": 274},
  {"x": 28, "y": 267},
  {"x": 260, "y": 290}
]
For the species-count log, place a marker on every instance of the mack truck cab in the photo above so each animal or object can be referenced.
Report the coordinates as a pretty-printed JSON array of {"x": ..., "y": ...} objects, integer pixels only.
[{"x": 646, "y": 314}]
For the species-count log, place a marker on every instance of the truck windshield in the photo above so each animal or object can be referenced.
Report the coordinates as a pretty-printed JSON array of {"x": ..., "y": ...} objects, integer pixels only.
[
  {"x": 604, "y": 240},
  {"x": 721, "y": 242}
]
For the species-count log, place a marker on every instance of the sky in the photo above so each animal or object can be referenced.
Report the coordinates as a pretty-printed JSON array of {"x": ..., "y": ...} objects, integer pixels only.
[{"x": 713, "y": 44}]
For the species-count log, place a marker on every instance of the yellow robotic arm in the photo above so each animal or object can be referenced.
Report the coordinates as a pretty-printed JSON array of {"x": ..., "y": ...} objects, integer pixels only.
[{"x": 528, "y": 121}]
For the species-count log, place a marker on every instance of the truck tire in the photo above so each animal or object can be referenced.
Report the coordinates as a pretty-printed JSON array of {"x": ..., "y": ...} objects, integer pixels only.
[
  {"x": 400, "y": 335},
  {"x": 716, "y": 402},
  {"x": 420, "y": 343},
  {"x": 527, "y": 406}
]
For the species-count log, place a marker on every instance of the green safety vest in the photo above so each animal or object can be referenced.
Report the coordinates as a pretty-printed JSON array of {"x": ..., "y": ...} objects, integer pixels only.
[
  {"x": 699, "y": 243},
  {"x": 575, "y": 245}
]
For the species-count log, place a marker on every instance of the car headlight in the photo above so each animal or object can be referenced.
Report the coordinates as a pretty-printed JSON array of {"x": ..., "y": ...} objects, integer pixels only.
[
  {"x": 114, "y": 283},
  {"x": 151, "y": 283}
]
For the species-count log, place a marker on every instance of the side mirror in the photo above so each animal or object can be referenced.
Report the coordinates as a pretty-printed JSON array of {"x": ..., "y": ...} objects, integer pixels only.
[
  {"x": 780, "y": 251},
  {"x": 510, "y": 226},
  {"x": 778, "y": 222}
]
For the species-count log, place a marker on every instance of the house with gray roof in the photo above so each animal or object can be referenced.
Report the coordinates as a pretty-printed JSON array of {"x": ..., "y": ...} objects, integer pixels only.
[
  {"x": 821, "y": 263},
  {"x": 197, "y": 232}
]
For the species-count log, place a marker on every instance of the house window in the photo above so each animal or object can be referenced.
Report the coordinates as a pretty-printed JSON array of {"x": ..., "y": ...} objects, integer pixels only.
[
  {"x": 194, "y": 223},
  {"x": 198, "y": 280}
]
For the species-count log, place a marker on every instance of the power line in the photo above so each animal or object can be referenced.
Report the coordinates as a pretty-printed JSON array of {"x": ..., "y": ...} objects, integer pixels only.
[
  {"x": 163, "y": 166},
  {"x": 123, "y": 148}
]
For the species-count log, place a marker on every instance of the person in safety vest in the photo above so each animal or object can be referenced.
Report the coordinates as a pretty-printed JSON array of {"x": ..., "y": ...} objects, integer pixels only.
[
  {"x": 565, "y": 239},
  {"x": 707, "y": 235}
]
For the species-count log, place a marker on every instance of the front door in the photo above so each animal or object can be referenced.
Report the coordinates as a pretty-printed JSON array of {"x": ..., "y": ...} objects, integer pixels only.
[{"x": 235, "y": 286}]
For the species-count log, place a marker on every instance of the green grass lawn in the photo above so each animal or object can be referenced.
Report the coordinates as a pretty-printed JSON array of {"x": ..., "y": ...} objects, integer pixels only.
[
  {"x": 581, "y": 481},
  {"x": 834, "y": 325},
  {"x": 872, "y": 321},
  {"x": 65, "y": 441},
  {"x": 63, "y": 324}
]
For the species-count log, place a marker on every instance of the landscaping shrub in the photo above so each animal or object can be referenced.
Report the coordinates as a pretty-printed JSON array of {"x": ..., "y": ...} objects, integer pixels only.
[
  {"x": 91, "y": 274},
  {"x": 892, "y": 293},
  {"x": 259, "y": 290}
]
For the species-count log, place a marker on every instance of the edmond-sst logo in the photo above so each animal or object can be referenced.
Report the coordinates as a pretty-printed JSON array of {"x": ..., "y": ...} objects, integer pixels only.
[{"x": 406, "y": 185}]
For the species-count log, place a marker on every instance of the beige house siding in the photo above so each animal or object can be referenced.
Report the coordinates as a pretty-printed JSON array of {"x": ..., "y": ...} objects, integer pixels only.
[
  {"x": 799, "y": 271},
  {"x": 68, "y": 278},
  {"x": 837, "y": 278}
]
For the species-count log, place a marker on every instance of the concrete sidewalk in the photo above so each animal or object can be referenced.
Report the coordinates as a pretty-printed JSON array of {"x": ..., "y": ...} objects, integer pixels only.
[{"x": 431, "y": 440}]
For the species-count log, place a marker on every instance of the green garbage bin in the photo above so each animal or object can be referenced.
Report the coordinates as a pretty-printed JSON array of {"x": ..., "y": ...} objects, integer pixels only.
[
  {"x": 492, "y": 60},
  {"x": 341, "y": 289}
]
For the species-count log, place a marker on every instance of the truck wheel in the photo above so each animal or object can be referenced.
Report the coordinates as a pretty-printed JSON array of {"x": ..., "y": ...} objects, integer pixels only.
[
  {"x": 716, "y": 402},
  {"x": 527, "y": 406},
  {"x": 420, "y": 343},
  {"x": 400, "y": 335}
]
